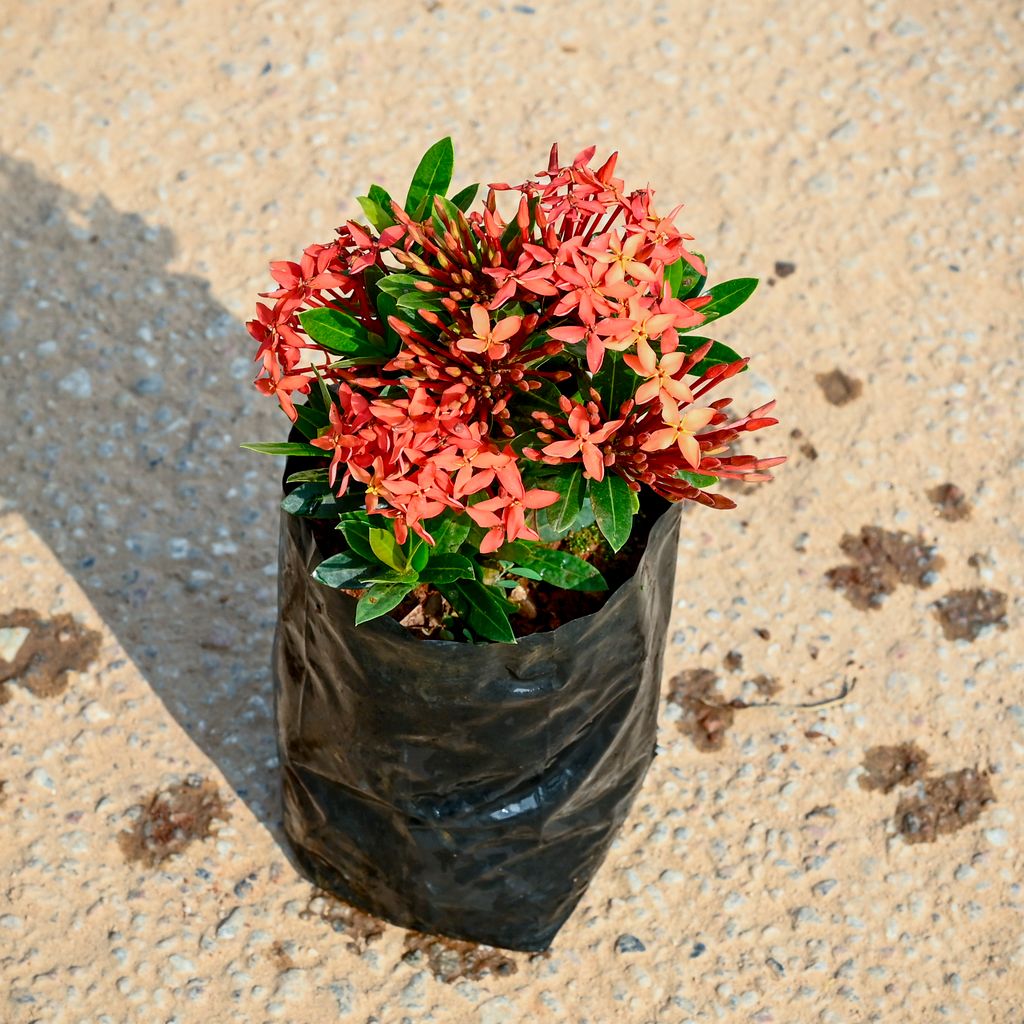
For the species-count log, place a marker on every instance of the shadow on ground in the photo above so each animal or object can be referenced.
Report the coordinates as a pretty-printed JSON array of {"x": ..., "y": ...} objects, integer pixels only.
[{"x": 127, "y": 396}]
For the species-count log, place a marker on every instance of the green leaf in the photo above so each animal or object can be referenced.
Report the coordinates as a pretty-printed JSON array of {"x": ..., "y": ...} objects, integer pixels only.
[
  {"x": 463, "y": 199},
  {"x": 613, "y": 504},
  {"x": 337, "y": 331},
  {"x": 673, "y": 276},
  {"x": 310, "y": 418},
  {"x": 449, "y": 534},
  {"x": 563, "y": 513},
  {"x": 419, "y": 553},
  {"x": 382, "y": 198},
  {"x": 725, "y": 297},
  {"x": 432, "y": 177},
  {"x": 355, "y": 528},
  {"x": 387, "y": 549},
  {"x": 380, "y": 599},
  {"x": 305, "y": 499},
  {"x": 452, "y": 214},
  {"x": 545, "y": 397},
  {"x": 380, "y": 218},
  {"x": 559, "y": 568},
  {"x": 615, "y": 382},
  {"x": 340, "y": 570},
  {"x": 283, "y": 448},
  {"x": 417, "y": 300},
  {"x": 308, "y": 476},
  {"x": 447, "y": 569},
  {"x": 483, "y": 610},
  {"x": 718, "y": 353},
  {"x": 380, "y": 574},
  {"x": 387, "y": 306},
  {"x": 399, "y": 284},
  {"x": 683, "y": 279},
  {"x": 321, "y": 399},
  {"x": 700, "y": 480}
]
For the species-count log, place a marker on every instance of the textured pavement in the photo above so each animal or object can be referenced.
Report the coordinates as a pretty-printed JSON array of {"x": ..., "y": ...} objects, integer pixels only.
[{"x": 153, "y": 157}]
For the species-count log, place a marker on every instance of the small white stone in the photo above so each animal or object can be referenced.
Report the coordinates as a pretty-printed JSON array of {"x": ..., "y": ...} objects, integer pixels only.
[
  {"x": 77, "y": 383},
  {"x": 997, "y": 836},
  {"x": 41, "y": 778},
  {"x": 181, "y": 964},
  {"x": 94, "y": 712},
  {"x": 11, "y": 640},
  {"x": 228, "y": 928}
]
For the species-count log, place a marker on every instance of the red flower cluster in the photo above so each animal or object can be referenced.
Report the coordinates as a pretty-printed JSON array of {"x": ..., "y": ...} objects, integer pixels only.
[{"x": 483, "y": 358}]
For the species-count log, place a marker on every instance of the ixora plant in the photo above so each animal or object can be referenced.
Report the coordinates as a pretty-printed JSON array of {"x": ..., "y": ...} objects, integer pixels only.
[
  {"x": 480, "y": 390},
  {"x": 496, "y": 418}
]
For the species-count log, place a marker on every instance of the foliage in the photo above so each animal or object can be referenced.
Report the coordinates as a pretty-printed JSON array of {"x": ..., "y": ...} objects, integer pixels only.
[{"x": 477, "y": 386}]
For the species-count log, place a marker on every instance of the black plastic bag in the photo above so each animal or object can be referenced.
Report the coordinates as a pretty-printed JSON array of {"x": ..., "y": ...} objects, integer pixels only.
[{"x": 464, "y": 790}]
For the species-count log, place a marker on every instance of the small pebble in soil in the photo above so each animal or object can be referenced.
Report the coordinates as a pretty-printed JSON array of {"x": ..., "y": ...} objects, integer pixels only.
[
  {"x": 698, "y": 950},
  {"x": 629, "y": 944},
  {"x": 783, "y": 268}
]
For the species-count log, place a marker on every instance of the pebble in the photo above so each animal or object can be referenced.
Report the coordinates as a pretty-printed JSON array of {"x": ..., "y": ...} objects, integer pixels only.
[
  {"x": 77, "y": 383},
  {"x": 629, "y": 944},
  {"x": 229, "y": 926},
  {"x": 148, "y": 385},
  {"x": 94, "y": 712},
  {"x": 411, "y": 996},
  {"x": 11, "y": 640},
  {"x": 41, "y": 778},
  {"x": 997, "y": 836}
]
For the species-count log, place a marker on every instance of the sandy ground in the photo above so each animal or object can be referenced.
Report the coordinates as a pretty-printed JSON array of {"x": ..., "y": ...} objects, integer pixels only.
[{"x": 154, "y": 156}]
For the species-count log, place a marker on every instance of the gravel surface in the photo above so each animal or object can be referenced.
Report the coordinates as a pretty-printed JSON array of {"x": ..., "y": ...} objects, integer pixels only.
[{"x": 861, "y": 159}]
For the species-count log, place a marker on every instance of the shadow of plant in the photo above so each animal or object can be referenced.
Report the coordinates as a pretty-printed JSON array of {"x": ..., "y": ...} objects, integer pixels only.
[{"x": 128, "y": 394}]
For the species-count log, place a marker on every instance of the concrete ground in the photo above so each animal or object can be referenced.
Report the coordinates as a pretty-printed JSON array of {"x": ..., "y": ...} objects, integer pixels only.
[{"x": 863, "y": 159}]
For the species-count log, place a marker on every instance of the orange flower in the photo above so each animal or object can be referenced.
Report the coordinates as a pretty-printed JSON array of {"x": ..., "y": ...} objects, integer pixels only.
[
  {"x": 485, "y": 338},
  {"x": 660, "y": 375},
  {"x": 680, "y": 430}
]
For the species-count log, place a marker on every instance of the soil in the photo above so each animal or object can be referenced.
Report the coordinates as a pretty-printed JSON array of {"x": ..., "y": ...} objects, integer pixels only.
[
  {"x": 767, "y": 686},
  {"x": 550, "y": 607},
  {"x": 807, "y": 450},
  {"x": 52, "y": 649},
  {"x": 452, "y": 959},
  {"x": 542, "y": 607},
  {"x": 838, "y": 387},
  {"x": 705, "y": 720},
  {"x": 359, "y": 927},
  {"x": 888, "y": 767},
  {"x": 172, "y": 820},
  {"x": 882, "y": 559},
  {"x": 950, "y": 502},
  {"x": 965, "y": 614},
  {"x": 733, "y": 661},
  {"x": 943, "y": 805}
]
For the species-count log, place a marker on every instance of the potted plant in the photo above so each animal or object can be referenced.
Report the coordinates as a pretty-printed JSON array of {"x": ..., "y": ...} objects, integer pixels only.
[{"x": 496, "y": 419}]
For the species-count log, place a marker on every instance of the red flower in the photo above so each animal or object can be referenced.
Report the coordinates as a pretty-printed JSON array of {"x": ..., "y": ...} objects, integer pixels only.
[
  {"x": 661, "y": 376},
  {"x": 680, "y": 429},
  {"x": 283, "y": 388},
  {"x": 584, "y": 441},
  {"x": 511, "y": 524}
]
